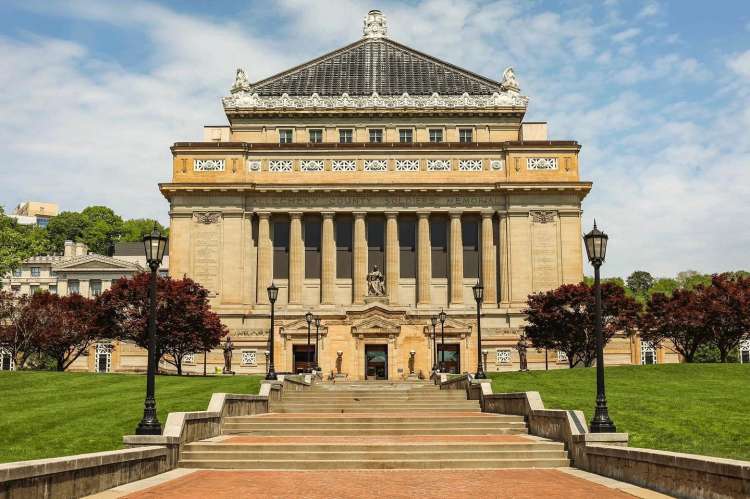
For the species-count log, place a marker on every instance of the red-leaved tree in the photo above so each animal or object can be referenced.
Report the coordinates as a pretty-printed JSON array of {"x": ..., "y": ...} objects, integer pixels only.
[
  {"x": 726, "y": 311},
  {"x": 563, "y": 319},
  {"x": 677, "y": 322},
  {"x": 19, "y": 326},
  {"x": 184, "y": 321}
]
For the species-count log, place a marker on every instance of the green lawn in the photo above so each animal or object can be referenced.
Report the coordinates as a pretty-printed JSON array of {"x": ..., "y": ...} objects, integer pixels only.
[
  {"x": 47, "y": 414},
  {"x": 694, "y": 408}
]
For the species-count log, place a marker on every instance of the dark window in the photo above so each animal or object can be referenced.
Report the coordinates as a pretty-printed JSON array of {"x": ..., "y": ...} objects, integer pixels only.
[
  {"x": 439, "y": 241},
  {"x": 745, "y": 356},
  {"x": 450, "y": 358},
  {"x": 407, "y": 240},
  {"x": 312, "y": 247},
  {"x": 345, "y": 136},
  {"x": 316, "y": 136},
  {"x": 465, "y": 135},
  {"x": 405, "y": 135},
  {"x": 436, "y": 135},
  {"x": 470, "y": 237},
  {"x": 376, "y": 135},
  {"x": 375, "y": 242},
  {"x": 35, "y": 272},
  {"x": 344, "y": 246},
  {"x": 285, "y": 136},
  {"x": 280, "y": 238}
]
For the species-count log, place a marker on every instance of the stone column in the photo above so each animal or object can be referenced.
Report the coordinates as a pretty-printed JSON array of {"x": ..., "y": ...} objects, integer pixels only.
[
  {"x": 392, "y": 270},
  {"x": 488, "y": 261},
  {"x": 424, "y": 259},
  {"x": 503, "y": 259},
  {"x": 456, "y": 261},
  {"x": 328, "y": 261},
  {"x": 296, "y": 258},
  {"x": 359, "y": 276},
  {"x": 265, "y": 257}
]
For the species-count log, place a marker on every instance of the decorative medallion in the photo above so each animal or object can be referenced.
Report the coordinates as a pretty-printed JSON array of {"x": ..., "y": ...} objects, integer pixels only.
[
  {"x": 541, "y": 163},
  {"x": 253, "y": 165},
  {"x": 496, "y": 164},
  {"x": 542, "y": 217},
  {"x": 376, "y": 165},
  {"x": 207, "y": 217},
  {"x": 311, "y": 165},
  {"x": 208, "y": 165},
  {"x": 438, "y": 165},
  {"x": 470, "y": 165}
]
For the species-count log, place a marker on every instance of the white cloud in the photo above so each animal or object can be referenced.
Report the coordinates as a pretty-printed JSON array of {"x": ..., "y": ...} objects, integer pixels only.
[
  {"x": 651, "y": 9},
  {"x": 740, "y": 64},
  {"x": 625, "y": 35}
]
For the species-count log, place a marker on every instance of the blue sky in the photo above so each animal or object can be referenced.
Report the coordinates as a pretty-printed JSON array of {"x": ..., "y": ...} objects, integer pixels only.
[{"x": 657, "y": 93}]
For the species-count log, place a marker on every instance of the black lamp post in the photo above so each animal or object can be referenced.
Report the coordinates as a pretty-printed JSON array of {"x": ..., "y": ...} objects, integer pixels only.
[
  {"x": 273, "y": 293},
  {"x": 478, "y": 297},
  {"x": 309, "y": 319},
  {"x": 596, "y": 250},
  {"x": 154, "y": 245},
  {"x": 441, "y": 318},
  {"x": 434, "y": 320},
  {"x": 317, "y": 335}
]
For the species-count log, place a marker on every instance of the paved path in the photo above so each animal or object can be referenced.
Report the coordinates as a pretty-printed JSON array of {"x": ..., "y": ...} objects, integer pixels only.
[{"x": 382, "y": 484}]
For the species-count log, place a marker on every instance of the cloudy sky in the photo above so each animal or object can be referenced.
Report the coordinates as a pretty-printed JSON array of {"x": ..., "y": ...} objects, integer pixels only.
[{"x": 657, "y": 92}]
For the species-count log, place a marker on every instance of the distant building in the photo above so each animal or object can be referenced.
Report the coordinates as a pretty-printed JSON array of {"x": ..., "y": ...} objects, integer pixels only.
[
  {"x": 35, "y": 213},
  {"x": 134, "y": 253}
]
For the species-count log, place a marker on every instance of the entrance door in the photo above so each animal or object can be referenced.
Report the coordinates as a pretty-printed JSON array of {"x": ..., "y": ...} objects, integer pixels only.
[
  {"x": 304, "y": 358},
  {"x": 376, "y": 361},
  {"x": 452, "y": 360}
]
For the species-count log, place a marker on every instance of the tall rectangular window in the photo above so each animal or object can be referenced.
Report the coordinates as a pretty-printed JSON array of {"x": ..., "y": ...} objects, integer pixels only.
[
  {"x": 280, "y": 239},
  {"x": 95, "y": 287},
  {"x": 344, "y": 259},
  {"x": 17, "y": 273},
  {"x": 470, "y": 238},
  {"x": 285, "y": 136},
  {"x": 407, "y": 240},
  {"x": 35, "y": 272},
  {"x": 375, "y": 242},
  {"x": 436, "y": 135},
  {"x": 439, "y": 240},
  {"x": 316, "y": 135},
  {"x": 74, "y": 287},
  {"x": 376, "y": 135},
  {"x": 405, "y": 136},
  {"x": 345, "y": 136},
  {"x": 465, "y": 135},
  {"x": 312, "y": 246}
]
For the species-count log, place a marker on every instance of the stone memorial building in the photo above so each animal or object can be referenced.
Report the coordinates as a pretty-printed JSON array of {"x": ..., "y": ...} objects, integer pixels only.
[{"x": 374, "y": 186}]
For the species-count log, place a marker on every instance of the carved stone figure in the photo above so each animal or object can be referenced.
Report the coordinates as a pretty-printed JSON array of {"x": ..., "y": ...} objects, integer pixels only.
[
  {"x": 228, "y": 347},
  {"x": 521, "y": 347},
  {"x": 509, "y": 82},
  {"x": 375, "y": 282},
  {"x": 241, "y": 84},
  {"x": 376, "y": 25}
]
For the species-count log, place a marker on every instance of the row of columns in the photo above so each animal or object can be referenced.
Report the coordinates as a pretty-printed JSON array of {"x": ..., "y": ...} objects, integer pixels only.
[{"x": 392, "y": 250}]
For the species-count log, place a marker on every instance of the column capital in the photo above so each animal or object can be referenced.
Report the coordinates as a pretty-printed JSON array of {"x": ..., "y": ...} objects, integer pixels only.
[
  {"x": 295, "y": 214},
  {"x": 424, "y": 214},
  {"x": 328, "y": 214},
  {"x": 391, "y": 214},
  {"x": 359, "y": 214},
  {"x": 455, "y": 214},
  {"x": 263, "y": 214},
  {"x": 487, "y": 214}
]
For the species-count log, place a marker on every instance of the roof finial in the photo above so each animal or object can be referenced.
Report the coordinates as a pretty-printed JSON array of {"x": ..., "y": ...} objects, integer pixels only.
[
  {"x": 376, "y": 25},
  {"x": 509, "y": 82}
]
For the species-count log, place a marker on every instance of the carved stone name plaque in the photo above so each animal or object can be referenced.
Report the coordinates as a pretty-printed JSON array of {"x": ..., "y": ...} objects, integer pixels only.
[
  {"x": 206, "y": 246},
  {"x": 544, "y": 253}
]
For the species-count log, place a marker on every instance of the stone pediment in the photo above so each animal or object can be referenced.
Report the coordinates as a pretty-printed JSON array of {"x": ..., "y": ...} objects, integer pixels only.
[
  {"x": 453, "y": 327},
  {"x": 298, "y": 327},
  {"x": 96, "y": 263},
  {"x": 376, "y": 321}
]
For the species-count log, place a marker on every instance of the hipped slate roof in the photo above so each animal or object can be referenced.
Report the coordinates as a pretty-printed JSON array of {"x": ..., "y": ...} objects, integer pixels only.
[{"x": 375, "y": 65}]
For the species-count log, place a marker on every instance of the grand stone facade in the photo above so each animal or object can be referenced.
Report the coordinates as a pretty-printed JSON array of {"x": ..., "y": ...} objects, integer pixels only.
[{"x": 377, "y": 154}]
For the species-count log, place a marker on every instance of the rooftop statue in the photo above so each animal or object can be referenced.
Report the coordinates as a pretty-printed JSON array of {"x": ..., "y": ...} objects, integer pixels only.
[
  {"x": 376, "y": 25},
  {"x": 241, "y": 84},
  {"x": 509, "y": 82}
]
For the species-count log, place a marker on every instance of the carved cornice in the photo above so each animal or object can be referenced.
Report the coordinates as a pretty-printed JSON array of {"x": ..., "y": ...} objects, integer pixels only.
[{"x": 246, "y": 100}]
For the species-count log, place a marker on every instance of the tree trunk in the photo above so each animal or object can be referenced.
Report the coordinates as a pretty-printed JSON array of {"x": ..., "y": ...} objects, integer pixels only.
[
  {"x": 723, "y": 354},
  {"x": 60, "y": 364},
  {"x": 178, "y": 364}
]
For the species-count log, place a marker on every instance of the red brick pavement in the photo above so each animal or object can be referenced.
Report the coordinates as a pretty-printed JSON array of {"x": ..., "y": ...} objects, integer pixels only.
[{"x": 406, "y": 484}]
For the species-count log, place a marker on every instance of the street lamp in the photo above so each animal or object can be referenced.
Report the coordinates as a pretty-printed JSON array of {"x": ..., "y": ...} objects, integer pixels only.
[
  {"x": 434, "y": 320},
  {"x": 309, "y": 319},
  {"x": 478, "y": 296},
  {"x": 317, "y": 335},
  {"x": 596, "y": 249},
  {"x": 441, "y": 318},
  {"x": 273, "y": 293},
  {"x": 154, "y": 245}
]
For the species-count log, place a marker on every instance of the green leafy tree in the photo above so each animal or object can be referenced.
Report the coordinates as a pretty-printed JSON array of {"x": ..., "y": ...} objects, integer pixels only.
[
  {"x": 19, "y": 242},
  {"x": 103, "y": 228},
  {"x": 665, "y": 286},
  {"x": 67, "y": 226},
  {"x": 639, "y": 282},
  {"x": 134, "y": 229}
]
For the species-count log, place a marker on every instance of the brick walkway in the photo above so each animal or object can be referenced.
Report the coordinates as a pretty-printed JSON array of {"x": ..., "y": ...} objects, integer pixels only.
[{"x": 406, "y": 484}]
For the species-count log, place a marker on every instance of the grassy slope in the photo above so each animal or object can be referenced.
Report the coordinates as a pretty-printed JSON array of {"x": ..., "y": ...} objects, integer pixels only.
[
  {"x": 694, "y": 408},
  {"x": 46, "y": 414}
]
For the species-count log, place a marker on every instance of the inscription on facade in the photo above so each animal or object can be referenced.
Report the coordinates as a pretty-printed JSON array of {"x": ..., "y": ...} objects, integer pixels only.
[
  {"x": 382, "y": 201},
  {"x": 544, "y": 256},
  {"x": 206, "y": 255}
]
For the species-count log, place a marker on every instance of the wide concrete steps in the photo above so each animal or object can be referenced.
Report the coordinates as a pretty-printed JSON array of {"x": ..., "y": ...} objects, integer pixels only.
[
  {"x": 459, "y": 418},
  {"x": 352, "y": 464}
]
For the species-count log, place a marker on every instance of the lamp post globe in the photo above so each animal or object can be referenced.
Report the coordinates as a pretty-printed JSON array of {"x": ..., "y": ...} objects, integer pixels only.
[
  {"x": 478, "y": 290},
  {"x": 441, "y": 317},
  {"x": 433, "y": 321},
  {"x": 596, "y": 250},
  {"x": 309, "y": 318},
  {"x": 273, "y": 293},
  {"x": 154, "y": 245}
]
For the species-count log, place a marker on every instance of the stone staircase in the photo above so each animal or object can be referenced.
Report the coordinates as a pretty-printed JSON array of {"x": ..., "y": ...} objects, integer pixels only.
[{"x": 374, "y": 426}]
